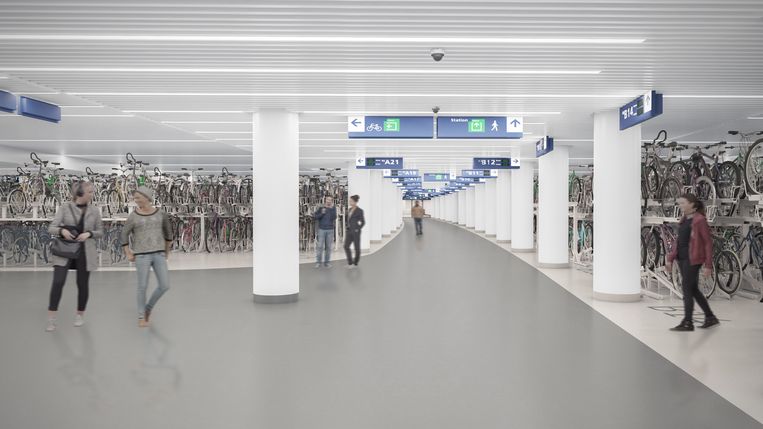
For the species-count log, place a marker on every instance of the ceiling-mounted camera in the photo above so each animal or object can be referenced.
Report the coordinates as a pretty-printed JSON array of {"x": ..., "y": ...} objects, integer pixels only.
[
  {"x": 437, "y": 54},
  {"x": 435, "y": 110}
]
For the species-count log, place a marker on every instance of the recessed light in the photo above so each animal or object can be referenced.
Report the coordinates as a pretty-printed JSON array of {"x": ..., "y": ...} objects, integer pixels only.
[
  {"x": 755, "y": 117},
  {"x": 426, "y": 71}
]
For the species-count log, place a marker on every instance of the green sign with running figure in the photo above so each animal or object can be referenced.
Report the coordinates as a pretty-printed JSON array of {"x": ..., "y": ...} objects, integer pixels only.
[
  {"x": 476, "y": 125},
  {"x": 392, "y": 125}
]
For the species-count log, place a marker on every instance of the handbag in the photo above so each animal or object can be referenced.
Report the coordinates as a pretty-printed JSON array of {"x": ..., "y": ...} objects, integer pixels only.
[{"x": 68, "y": 249}]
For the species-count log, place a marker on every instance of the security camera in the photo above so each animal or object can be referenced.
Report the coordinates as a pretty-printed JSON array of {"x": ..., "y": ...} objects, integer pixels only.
[
  {"x": 435, "y": 110},
  {"x": 437, "y": 54}
]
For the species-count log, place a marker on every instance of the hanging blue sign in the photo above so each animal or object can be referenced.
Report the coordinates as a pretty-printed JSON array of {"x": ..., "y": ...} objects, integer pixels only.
[
  {"x": 641, "y": 109},
  {"x": 39, "y": 109},
  {"x": 380, "y": 163},
  {"x": 7, "y": 102},
  {"x": 468, "y": 180},
  {"x": 407, "y": 179},
  {"x": 390, "y": 127},
  {"x": 436, "y": 177},
  {"x": 479, "y": 127},
  {"x": 488, "y": 174},
  {"x": 495, "y": 163},
  {"x": 544, "y": 146},
  {"x": 400, "y": 173}
]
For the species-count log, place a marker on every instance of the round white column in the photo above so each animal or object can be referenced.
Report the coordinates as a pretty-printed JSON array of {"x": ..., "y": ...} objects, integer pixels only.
[
  {"x": 479, "y": 207},
  {"x": 461, "y": 207},
  {"x": 553, "y": 212},
  {"x": 490, "y": 207},
  {"x": 400, "y": 207},
  {"x": 470, "y": 198},
  {"x": 522, "y": 207},
  {"x": 374, "y": 208},
  {"x": 387, "y": 207},
  {"x": 617, "y": 211},
  {"x": 503, "y": 205},
  {"x": 436, "y": 202},
  {"x": 359, "y": 183},
  {"x": 275, "y": 153},
  {"x": 453, "y": 208}
]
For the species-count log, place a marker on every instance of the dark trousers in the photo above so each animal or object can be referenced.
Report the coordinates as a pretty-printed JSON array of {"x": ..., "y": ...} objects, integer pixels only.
[
  {"x": 352, "y": 237},
  {"x": 83, "y": 282},
  {"x": 419, "y": 225},
  {"x": 690, "y": 286}
]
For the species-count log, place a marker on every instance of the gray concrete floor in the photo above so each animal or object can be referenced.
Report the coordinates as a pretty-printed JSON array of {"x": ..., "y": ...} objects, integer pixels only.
[{"x": 440, "y": 331}]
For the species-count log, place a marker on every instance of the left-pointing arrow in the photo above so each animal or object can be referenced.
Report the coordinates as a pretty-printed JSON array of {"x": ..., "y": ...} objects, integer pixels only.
[{"x": 355, "y": 122}]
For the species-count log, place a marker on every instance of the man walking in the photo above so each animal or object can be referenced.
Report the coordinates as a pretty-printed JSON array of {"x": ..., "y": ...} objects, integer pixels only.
[
  {"x": 326, "y": 219},
  {"x": 417, "y": 213}
]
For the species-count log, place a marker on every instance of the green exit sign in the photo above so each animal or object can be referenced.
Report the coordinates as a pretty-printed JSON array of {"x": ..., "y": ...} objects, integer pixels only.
[
  {"x": 476, "y": 125},
  {"x": 392, "y": 125}
]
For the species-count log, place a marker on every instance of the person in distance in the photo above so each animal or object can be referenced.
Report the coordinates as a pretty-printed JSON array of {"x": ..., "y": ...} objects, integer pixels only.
[
  {"x": 325, "y": 217},
  {"x": 355, "y": 223},
  {"x": 417, "y": 213}
]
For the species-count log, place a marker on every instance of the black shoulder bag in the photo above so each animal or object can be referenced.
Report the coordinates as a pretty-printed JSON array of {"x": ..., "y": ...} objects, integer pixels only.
[{"x": 69, "y": 249}]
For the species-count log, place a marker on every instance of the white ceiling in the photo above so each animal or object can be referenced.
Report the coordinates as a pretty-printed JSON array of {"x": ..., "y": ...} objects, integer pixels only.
[{"x": 558, "y": 62}]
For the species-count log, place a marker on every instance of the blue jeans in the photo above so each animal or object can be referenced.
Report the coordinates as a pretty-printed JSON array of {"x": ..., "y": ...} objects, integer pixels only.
[
  {"x": 143, "y": 263},
  {"x": 325, "y": 243}
]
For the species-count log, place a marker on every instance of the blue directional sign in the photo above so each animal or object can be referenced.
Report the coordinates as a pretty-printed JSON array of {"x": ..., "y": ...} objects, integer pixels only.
[
  {"x": 468, "y": 180},
  {"x": 7, "y": 102},
  {"x": 436, "y": 177},
  {"x": 479, "y": 127},
  {"x": 390, "y": 127},
  {"x": 488, "y": 174},
  {"x": 641, "y": 109},
  {"x": 407, "y": 179},
  {"x": 495, "y": 163},
  {"x": 39, "y": 109},
  {"x": 380, "y": 163},
  {"x": 400, "y": 173},
  {"x": 544, "y": 146}
]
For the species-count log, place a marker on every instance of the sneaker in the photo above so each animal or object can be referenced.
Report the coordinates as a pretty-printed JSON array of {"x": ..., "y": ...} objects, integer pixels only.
[
  {"x": 147, "y": 315},
  {"x": 684, "y": 327},
  {"x": 79, "y": 320},
  {"x": 327, "y": 265},
  {"x": 351, "y": 267},
  {"x": 51, "y": 325},
  {"x": 318, "y": 265},
  {"x": 143, "y": 323},
  {"x": 710, "y": 322}
]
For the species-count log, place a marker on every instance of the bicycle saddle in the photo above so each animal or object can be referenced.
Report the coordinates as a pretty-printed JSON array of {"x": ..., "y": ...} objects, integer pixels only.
[{"x": 672, "y": 144}]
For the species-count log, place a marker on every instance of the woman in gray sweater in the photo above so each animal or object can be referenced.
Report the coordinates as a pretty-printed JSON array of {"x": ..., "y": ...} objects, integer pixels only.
[{"x": 151, "y": 233}]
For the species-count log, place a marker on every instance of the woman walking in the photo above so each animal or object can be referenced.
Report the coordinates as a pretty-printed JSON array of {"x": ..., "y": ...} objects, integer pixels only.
[
  {"x": 693, "y": 249},
  {"x": 355, "y": 222},
  {"x": 151, "y": 233},
  {"x": 75, "y": 221}
]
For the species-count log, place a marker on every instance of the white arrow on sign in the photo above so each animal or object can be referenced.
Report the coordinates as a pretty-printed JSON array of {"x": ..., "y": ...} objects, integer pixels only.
[
  {"x": 360, "y": 162},
  {"x": 356, "y": 124},
  {"x": 515, "y": 162},
  {"x": 647, "y": 102},
  {"x": 514, "y": 124}
]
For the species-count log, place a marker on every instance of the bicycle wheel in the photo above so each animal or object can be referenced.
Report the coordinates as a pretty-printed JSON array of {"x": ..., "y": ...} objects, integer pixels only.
[
  {"x": 671, "y": 189},
  {"x": 728, "y": 180},
  {"x": 186, "y": 240},
  {"x": 651, "y": 179},
  {"x": 704, "y": 189},
  {"x": 21, "y": 250},
  {"x": 753, "y": 168},
  {"x": 728, "y": 271},
  {"x": 680, "y": 170},
  {"x": 17, "y": 202},
  {"x": 654, "y": 247},
  {"x": 112, "y": 202},
  {"x": 576, "y": 190}
]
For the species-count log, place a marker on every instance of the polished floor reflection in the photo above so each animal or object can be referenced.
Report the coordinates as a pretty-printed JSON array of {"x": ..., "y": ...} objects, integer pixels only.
[{"x": 441, "y": 331}]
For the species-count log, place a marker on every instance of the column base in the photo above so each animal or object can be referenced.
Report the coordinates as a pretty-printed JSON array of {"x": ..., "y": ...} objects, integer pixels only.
[
  {"x": 375, "y": 241},
  {"x": 387, "y": 235},
  {"x": 612, "y": 297},
  {"x": 490, "y": 235},
  {"x": 276, "y": 299},
  {"x": 546, "y": 265},
  {"x": 522, "y": 250},
  {"x": 503, "y": 241}
]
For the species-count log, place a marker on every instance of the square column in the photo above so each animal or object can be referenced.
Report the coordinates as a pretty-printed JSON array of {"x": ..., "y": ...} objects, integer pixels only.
[
  {"x": 275, "y": 153},
  {"x": 503, "y": 205},
  {"x": 617, "y": 211},
  {"x": 553, "y": 211}
]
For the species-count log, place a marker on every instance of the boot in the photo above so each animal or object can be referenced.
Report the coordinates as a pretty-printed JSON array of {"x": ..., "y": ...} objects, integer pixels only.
[
  {"x": 685, "y": 326},
  {"x": 710, "y": 322}
]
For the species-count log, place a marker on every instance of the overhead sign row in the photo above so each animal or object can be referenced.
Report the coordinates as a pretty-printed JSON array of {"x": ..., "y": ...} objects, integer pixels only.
[
  {"x": 423, "y": 127},
  {"x": 29, "y": 107}
]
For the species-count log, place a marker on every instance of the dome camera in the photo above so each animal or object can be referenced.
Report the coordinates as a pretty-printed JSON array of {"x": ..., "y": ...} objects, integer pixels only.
[
  {"x": 437, "y": 54},
  {"x": 435, "y": 110}
]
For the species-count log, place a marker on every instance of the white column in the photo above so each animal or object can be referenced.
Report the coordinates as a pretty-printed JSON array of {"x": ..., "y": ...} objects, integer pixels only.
[
  {"x": 387, "y": 207},
  {"x": 453, "y": 215},
  {"x": 436, "y": 213},
  {"x": 375, "y": 206},
  {"x": 461, "y": 207},
  {"x": 522, "y": 207},
  {"x": 490, "y": 207},
  {"x": 617, "y": 213},
  {"x": 359, "y": 183},
  {"x": 479, "y": 207},
  {"x": 503, "y": 206},
  {"x": 553, "y": 219},
  {"x": 470, "y": 197},
  {"x": 275, "y": 153},
  {"x": 401, "y": 207}
]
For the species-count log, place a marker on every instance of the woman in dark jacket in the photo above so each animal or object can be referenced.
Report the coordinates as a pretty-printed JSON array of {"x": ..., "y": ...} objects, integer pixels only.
[
  {"x": 88, "y": 227},
  {"x": 693, "y": 249},
  {"x": 355, "y": 222}
]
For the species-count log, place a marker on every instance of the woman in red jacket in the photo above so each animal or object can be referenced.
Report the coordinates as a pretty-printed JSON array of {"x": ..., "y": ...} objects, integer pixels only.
[{"x": 693, "y": 249}]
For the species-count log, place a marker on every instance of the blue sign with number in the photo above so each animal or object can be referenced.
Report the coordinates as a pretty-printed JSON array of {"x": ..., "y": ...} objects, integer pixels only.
[
  {"x": 379, "y": 163},
  {"x": 407, "y": 180},
  {"x": 478, "y": 173},
  {"x": 400, "y": 173},
  {"x": 436, "y": 177},
  {"x": 544, "y": 146},
  {"x": 468, "y": 180},
  {"x": 39, "y": 109},
  {"x": 495, "y": 163},
  {"x": 390, "y": 127},
  {"x": 7, "y": 102},
  {"x": 641, "y": 109},
  {"x": 479, "y": 127}
]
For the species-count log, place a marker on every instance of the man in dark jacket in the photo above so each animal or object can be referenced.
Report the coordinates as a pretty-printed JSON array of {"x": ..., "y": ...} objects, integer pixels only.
[
  {"x": 326, "y": 219},
  {"x": 355, "y": 222}
]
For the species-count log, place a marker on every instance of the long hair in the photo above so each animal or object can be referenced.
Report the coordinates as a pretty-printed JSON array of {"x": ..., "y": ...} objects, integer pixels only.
[{"x": 699, "y": 206}]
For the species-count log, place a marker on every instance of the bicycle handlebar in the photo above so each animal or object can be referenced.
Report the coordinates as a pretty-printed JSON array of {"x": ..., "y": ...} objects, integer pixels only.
[
  {"x": 36, "y": 159},
  {"x": 130, "y": 158},
  {"x": 20, "y": 171},
  {"x": 89, "y": 171},
  {"x": 661, "y": 133},
  {"x": 225, "y": 171}
]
